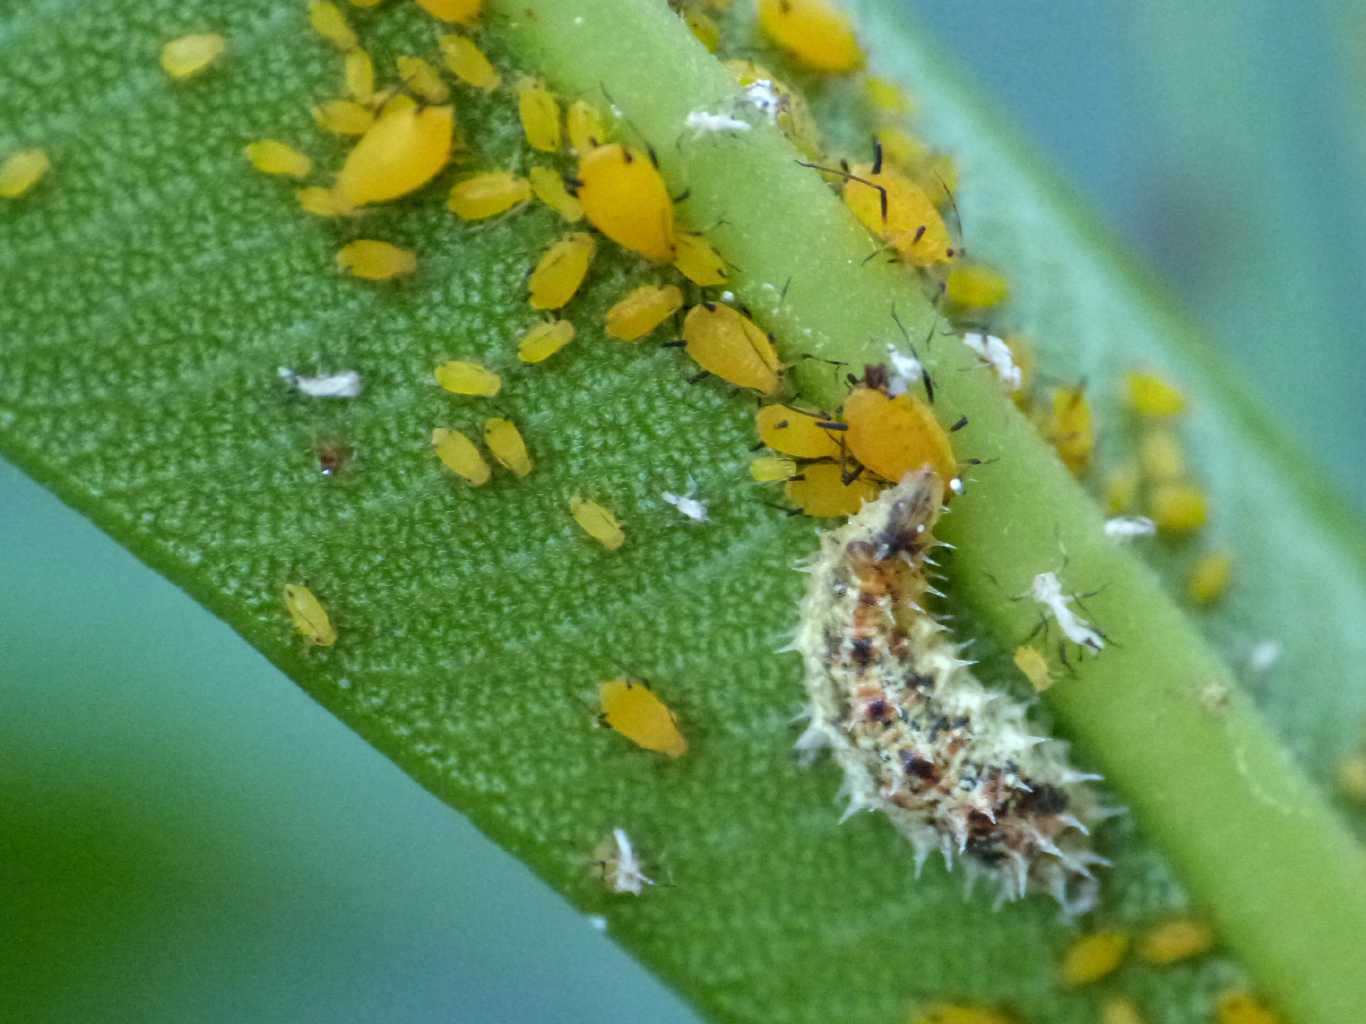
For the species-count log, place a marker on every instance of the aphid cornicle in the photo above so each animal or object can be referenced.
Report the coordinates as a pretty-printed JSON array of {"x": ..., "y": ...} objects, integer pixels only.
[
  {"x": 641, "y": 310},
  {"x": 725, "y": 342},
  {"x": 403, "y": 151},
  {"x": 488, "y": 194},
  {"x": 624, "y": 196}
]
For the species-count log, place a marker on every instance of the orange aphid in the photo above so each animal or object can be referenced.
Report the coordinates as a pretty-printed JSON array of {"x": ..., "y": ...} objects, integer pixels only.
[
  {"x": 641, "y": 310},
  {"x": 824, "y": 490},
  {"x": 402, "y": 152},
  {"x": 814, "y": 33},
  {"x": 698, "y": 261},
  {"x": 463, "y": 12},
  {"x": 805, "y": 435},
  {"x": 725, "y": 342},
  {"x": 561, "y": 271},
  {"x": 898, "y": 211},
  {"x": 894, "y": 436},
  {"x": 632, "y": 709},
  {"x": 488, "y": 194},
  {"x": 624, "y": 197}
]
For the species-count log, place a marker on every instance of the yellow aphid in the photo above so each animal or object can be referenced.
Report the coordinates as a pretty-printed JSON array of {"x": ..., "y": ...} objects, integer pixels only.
[
  {"x": 1120, "y": 1010},
  {"x": 624, "y": 197},
  {"x": 704, "y": 28},
  {"x": 270, "y": 156},
  {"x": 359, "y": 76},
  {"x": 544, "y": 340},
  {"x": 463, "y": 12},
  {"x": 814, "y": 33},
  {"x": 468, "y": 63},
  {"x": 894, "y": 436},
  {"x": 422, "y": 79},
  {"x": 957, "y": 1013},
  {"x": 1174, "y": 940},
  {"x": 632, "y": 709},
  {"x": 488, "y": 195},
  {"x": 1244, "y": 1008},
  {"x": 1152, "y": 395},
  {"x": 1351, "y": 778},
  {"x": 550, "y": 189},
  {"x": 21, "y": 171},
  {"x": 1071, "y": 429},
  {"x": 343, "y": 117},
  {"x": 597, "y": 522},
  {"x": 561, "y": 271},
  {"x": 1161, "y": 456},
  {"x": 725, "y": 342},
  {"x": 642, "y": 310},
  {"x": 902, "y": 148},
  {"x": 972, "y": 286},
  {"x": 1034, "y": 667},
  {"x": 911, "y": 227},
  {"x": 1092, "y": 957},
  {"x": 329, "y": 22},
  {"x": 798, "y": 433},
  {"x": 309, "y": 615},
  {"x": 887, "y": 98},
  {"x": 321, "y": 202},
  {"x": 504, "y": 440},
  {"x": 392, "y": 101},
  {"x": 1209, "y": 577},
  {"x": 402, "y": 152},
  {"x": 696, "y": 260},
  {"x": 584, "y": 126},
  {"x": 376, "y": 261},
  {"x": 540, "y": 114},
  {"x": 1178, "y": 509},
  {"x": 823, "y": 490},
  {"x": 779, "y": 102},
  {"x": 189, "y": 55},
  {"x": 464, "y": 378},
  {"x": 1121, "y": 488},
  {"x": 460, "y": 455},
  {"x": 769, "y": 469}
]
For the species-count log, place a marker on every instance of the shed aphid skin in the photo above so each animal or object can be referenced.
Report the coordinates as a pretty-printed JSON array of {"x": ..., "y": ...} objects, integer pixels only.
[
  {"x": 956, "y": 766},
  {"x": 598, "y": 522},
  {"x": 20, "y": 172},
  {"x": 271, "y": 156},
  {"x": 561, "y": 270},
  {"x": 1174, "y": 940},
  {"x": 1127, "y": 528},
  {"x": 583, "y": 124},
  {"x": 690, "y": 508},
  {"x": 329, "y": 22},
  {"x": 618, "y": 865},
  {"x": 1120, "y": 1010},
  {"x": 459, "y": 12},
  {"x": 468, "y": 63},
  {"x": 961, "y": 1013},
  {"x": 1070, "y": 428},
  {"x": 373, "y": 260},
  {"x": 635, "y": 711},
  {"x": 700, "y": 123},
  {"x": 543, "y": 340},
  {"x": 624, "y": 196},
  {"x": 192, "y": 55},
  {"x": 1046, "y": 591},
  {"x": 358, "y": 76},
  {"x": 539, "y": 111},
  {"x": 697, "y": 260},
  {"x": 896, "y": 436},
  {"x": 725, "y": 342},
  {"x": 996, "y": 354},
  {"x": 814, "y": 33},
  {"x": 1034, "y": 667},
  {"x": 422, "y": 80},
  {"x": 399, "y": 154},
  {"x": 1152, "y": 396},
  {"x": 776, "y": 102},
  {"x": 641, "y": 310},
  {"x": 1238, "y": 1007},
  {"x": 973, "y": 286},
  {"x": 1209, "y": 577},
  {"x": 772, "y": 469},
  {"x": 802, "y": 434},
  {"x": 460, "y": 377},
  {"x": 309, "y": 616},
  {"x": 550, "y": 189},
  {"x": 504, "y": 440},
  {"x": 1092, "y": 957},
  {"x": 343, "y": 384},
  {"x": 1178, "y": 509},
  {"x": 461, "y": 456},
  {"x": 827, "y": 490},
  {"x": 488, "y": 195},
  {"x": 343, "y": 117}
]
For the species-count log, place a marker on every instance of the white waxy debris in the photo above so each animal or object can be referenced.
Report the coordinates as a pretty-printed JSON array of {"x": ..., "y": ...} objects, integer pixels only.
[
  {"x": 996, "y": 354},
  {"x": 764, "y": 97},
  {"x": 621, "y": 869},
  {"x": 1122, "y": 528},
  {"x": 907, "y": 371},
  {"x": 688, "y": 505},
  {"x": 704, "y": 122},
  {"x": 1047, "y": 591},
  {"x": 1264, "y": 654},
  {"x": 345, "y": 384},
  {"x": 597, "y": 922}
]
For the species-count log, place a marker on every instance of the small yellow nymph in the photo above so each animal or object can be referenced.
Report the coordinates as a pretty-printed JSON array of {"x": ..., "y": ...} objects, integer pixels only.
[
  {"x": 1092, "y": 957},
  {"x": 374, "y": 260},
  {"x": 598, "y": 522},
  {"x": 343, "y": 117},
  {"x": 814, "y": 33},
  {"x": 359, "y": 76},
  {"x": 770, "y": 469},
  {"x": 461, "y": 456},
  {"x": 958, "y": 1013},
  {"x": 270, "y": 156},
  {"x": 550, "y": 189},
  {"x": 191, "y": 55},
  {"x": 487, "y": 195},
  {"x": 539, "y": 111},
  {"x": 423, "y": 80},
  {"x": 697, "y": 260},
  {"x": 1034, "y": 667},
  {"x": 460, "y": 12},
  {"x": 461, "y": 377},
  {"x": 641, "y": 310},
  {"x": 329, "y": 22},
  {"x": 309, "y": 616},
  {"x": 633, "y": 710},
  {"x": 505, "y": 441},
  {"x": 796, "y": 432},
  {"x": 468, "y": 63},
  {"x": 1209, "y": 577},
  {"x": 1173, "y": 940},
  {"x": 825, "y": 490},
  {"x": 21, "y": 171},
  {"x": 1070, "y": 428},
  {"x": 583, "y": 124},
  {"x": 543, "y": 340},
  {"x": 1153, "y": 396},
  {"x": 973, "y": 286}
]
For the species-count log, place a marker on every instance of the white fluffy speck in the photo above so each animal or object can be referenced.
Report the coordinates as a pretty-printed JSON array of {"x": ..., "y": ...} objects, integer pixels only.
[
  {"x": 705, "y": 122},
  {"x": 690, "y": 507},
  {"x": 1122, "y": 528},
  {"x": 906, "y": 371},
  {"x": 620, "y": 868},
  {"x": 764, "y": 97},
  {"x": 345, "y": 384},
  {"x": 996, "y": 354},
  {"x": 597, "y": 922},
  {"x": 1264, "y": 654},
  {"x": 1047, "y": 591}
]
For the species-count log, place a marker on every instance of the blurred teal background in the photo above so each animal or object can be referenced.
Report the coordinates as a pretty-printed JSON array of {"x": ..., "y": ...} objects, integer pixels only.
[{"x": 184, "y": 836}]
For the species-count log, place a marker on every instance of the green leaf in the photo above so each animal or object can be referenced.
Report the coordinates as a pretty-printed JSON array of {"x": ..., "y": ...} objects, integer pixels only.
[{"x": 150, "y": 288}]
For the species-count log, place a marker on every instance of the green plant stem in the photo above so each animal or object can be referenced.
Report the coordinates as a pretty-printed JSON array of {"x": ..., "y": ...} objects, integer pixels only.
[{"x": 1157, "y": 711}]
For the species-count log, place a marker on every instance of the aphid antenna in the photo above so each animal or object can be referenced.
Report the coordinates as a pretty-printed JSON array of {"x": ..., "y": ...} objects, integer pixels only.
[
  {"x": 957, "y": 215},
  {"x": 844, "y": 172},
  {"x": 785, "y": 510},
  {"x": 958, "y": 424},
  {"x": 782, "y": 295}
]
